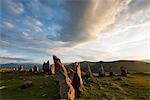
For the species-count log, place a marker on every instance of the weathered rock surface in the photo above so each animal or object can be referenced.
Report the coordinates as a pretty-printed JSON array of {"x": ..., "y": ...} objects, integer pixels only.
[{"x": 66, "y": 88}]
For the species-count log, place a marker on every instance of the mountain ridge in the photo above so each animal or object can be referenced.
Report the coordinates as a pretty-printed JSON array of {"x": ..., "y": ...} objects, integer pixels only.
[{"x": 130, "y": 65}]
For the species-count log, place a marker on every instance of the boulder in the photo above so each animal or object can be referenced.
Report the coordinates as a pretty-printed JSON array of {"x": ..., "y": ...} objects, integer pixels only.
[
  {"x": 119, "y": 79},
  {"x": 2, "y": 87},
  {"x": 26, "y": 84}
]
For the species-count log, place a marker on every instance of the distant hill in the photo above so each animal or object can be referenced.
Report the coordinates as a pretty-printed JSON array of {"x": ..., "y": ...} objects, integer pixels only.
[
  {"x": 13, "y": 65},
  {"x": 131, "y": 66}
]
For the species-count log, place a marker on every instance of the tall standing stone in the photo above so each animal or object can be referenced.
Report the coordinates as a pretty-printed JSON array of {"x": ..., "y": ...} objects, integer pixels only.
[
  {"x": 46, "y": 68},
  {"x": 111, "y": 71},
  {"x": 123, "y": 71},
  {"x": 101, "y": 72},
  {"x": 22, "y": 68},
  {"x": 77, "y": 80},
  {"x": 34, "y": 69},
  {"x": 89, "y": 72},
  {"x": 66, "y": 88},
  {"x": 52, "y": 69}
]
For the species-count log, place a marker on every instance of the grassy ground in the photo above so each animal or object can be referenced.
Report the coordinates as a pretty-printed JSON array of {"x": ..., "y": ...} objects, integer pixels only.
[
  {"x": 135, "y": 86},
  {"x": 43, "y": 87}
]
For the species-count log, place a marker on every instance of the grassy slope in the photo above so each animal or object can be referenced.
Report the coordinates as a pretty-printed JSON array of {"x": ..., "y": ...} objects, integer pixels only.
[
  {"x": 131, "y": 87},
  {"x": 132, "y": 66},
  {"x": 43, "y": 87}
]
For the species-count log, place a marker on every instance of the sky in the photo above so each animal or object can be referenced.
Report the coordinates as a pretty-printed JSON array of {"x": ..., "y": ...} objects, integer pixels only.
[{"x": 74, "y": 30}]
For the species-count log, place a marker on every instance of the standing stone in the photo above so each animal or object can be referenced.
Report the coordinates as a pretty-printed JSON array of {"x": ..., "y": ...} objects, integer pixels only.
[
  {"x": 66, "y": 88},
  {"x": 14, "y": 69},
  {"x": 77, "y": 80},
  {"x": 123, "y": 71},
  {"x": 111, "y": 72},
  {"x": 89, "y": 72},
  {"x": 46, "y": 68},
  {"x": 52, "y": 69},
  {"x": 101, "y": 72},
  {"x": 70, "y": 72},
  {"x": 34, "y": 69},
  {"x": 19, "y": 69},
  {"x": 22, "y": 68},
  {"x": 38, "y": 69}
]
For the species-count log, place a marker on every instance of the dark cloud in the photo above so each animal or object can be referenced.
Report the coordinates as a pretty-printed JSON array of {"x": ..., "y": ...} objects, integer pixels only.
[
  {"x": 138, "y": 5},
  {"x": 87, "y": 19},
  {"x": 18, "y": 59},
  {"x": 72, "y": 31}
]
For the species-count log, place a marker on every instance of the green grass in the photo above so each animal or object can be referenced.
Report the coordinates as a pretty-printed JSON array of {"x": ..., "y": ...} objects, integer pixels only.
[
  {"x": 134, "y": 86},
  {"x": 131, "y": 87},
  {"x": 43, "y": 87}
]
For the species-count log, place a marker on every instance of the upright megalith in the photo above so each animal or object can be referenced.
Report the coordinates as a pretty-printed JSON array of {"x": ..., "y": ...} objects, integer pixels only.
[
  {"x": 19, "y": 69},
  {"x": 52, "y": 69},
  {"x": 123, "y": 71},
  {"x": 65, "y": 84},
  {"x": 46, "y": 68},
  {"x": 111, "y": 71},
  {"x": 101, "y": 71},
  {"x": 77, "y": 79},
  {"x": 88, "y": 71},
  {"x": 34, "y": 69}
]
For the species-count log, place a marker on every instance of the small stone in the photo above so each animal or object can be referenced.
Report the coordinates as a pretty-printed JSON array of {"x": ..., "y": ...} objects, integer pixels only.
[
  {"x": 126, "y": 84},
  {"x": 2, "y": 87},
  {"x": 41, "y": 87},
  {"x": 119, "y": 78},
  {"x": 26, "y": 84},
  {"x": 101, "y": 88},
  {"x": 43, "y": 95}
]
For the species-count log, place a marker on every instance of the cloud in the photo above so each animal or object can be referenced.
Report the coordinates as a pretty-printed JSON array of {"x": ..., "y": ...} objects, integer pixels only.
[
  {"x": 37, "y": 8},
  {"x": 138, "y": 5},
  {"x": 14, "y": 7},
  {"x": 87, "y": 19},
  {"x": 12, "y": 57},
  {"x": 8, "y": 24},
  {"x": 136, "y": 11},
  {"x": 9, "y": 54},
  {"x": 16, "y": 59},
  {"x": 48, "y": 27},
  {"x": 26, "y": 36},
  {"x": 34, "y": 23},
  {"x": 41, "y": 46},
  {"x": 54, "y": 31}
]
